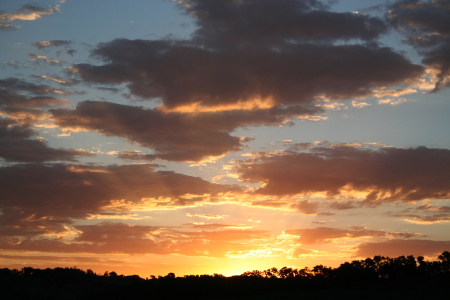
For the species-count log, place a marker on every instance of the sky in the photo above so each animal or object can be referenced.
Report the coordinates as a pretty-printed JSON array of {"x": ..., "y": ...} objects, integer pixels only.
[{"x": 201, "y": 137}]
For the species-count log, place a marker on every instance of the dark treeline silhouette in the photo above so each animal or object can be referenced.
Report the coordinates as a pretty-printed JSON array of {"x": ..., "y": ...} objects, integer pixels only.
[{"x": 372, "y": 278}]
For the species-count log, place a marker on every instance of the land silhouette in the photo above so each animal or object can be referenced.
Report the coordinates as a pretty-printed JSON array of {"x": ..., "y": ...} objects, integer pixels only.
[{"x": 404, "y": 277}]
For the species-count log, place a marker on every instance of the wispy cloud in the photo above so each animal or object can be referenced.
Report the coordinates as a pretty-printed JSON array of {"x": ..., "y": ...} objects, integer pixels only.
[{"x": 28, "y": 12}]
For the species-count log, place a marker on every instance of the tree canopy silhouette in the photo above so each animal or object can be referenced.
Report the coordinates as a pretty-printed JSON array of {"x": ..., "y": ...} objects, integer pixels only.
[{"x": 361, "y": 278}]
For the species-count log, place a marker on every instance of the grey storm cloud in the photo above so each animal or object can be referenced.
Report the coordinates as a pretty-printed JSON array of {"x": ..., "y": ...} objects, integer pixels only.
[
  {"x": 243, "y": 50},
  {"x": 173, "y": 135},
  {"x": 427, "y": 24},
  {"x": 385, "y": 174}
]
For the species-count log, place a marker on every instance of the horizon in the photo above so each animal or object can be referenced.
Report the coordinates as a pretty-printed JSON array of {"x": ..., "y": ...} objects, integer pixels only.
[
  {"x": 419, "y": 262},
  {"x": 201, "y": 137}
]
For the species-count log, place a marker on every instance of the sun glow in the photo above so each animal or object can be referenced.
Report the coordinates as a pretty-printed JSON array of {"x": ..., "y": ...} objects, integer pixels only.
[{"x": 255, "y": 103}]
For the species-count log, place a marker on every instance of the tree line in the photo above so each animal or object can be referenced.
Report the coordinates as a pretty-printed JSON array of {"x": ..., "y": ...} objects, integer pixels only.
[{"x": 370, "y": 278}]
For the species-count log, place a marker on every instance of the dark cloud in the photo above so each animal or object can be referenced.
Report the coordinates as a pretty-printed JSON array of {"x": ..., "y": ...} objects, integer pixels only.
[
  {"x": 31, "y": 8},
  {"x": 26, "y": 101},
  {"x": 106, "y": 232},
  {"x": 16, "y": 84},
  {"x": 173, "y": 135},
  {"x": 71, "y": 52},
  {"x": 294, "y": 74},
  {"x": 16, "y": 222},
  {"x": 16, "y": 100},
  {"x": 101, "y": 238},
  {"x": 395, "y": 248},
  {"x": 53, "y": 43},
  {"x": 226, "y": 23},
  {"x": 257, "y": 49},
  {"x": 37, "y": 194},
  {"x": 386, "y": 174},
  {"x": 17, "y": 145},
  {"x": 427, "y": 24}
]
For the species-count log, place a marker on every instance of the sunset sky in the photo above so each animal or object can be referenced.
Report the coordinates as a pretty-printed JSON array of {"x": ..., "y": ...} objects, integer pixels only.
[{"x": 222, "y": 136}]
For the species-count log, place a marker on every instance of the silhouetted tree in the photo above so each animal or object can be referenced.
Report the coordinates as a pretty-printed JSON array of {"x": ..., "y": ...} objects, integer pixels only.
[{"x": 405, "y": 274}]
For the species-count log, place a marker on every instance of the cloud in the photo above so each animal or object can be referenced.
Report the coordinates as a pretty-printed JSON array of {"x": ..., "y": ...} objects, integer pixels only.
[
  {"x": 327, "y": 234},
  {"x": 16, "y": 84},
  {"x": 383, "y": 174},
  {"x": 57, "y": 79},
  {"x": 238, "y": 54},
  {"x": 173, "y": 135},
  {"x": 38, "y": 194},
  {"x": 360, "y": 104},
  {"x": 107, "y": 237},
  {"x": 81, "y": 259},
  {"x": 209, "y": 226},
  {"x": 305, "y": 207},
  {"x": 71, "y": 52},
  {"x": 27, "y": 12},
  {"x": 17, "y": 145},
  {"x": 427, "y": 26},
  {"x": 395, "y": 248},
  {"x": 294, "y": 74},
  {"x": 424, "y": 219},
  {"x": 237, "y": 23},
  {"x": 393, "y": 101},
  {"x": 12, "y": 63},
  {"x": 343, "y": 205},
  {"x": 25, "y": 101},
  {"x": 206, "y": 216},
  {"x": 53, "y": 43},
  {"x": 299, "y": 252},
  {"x": 36, "y": 57}
]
